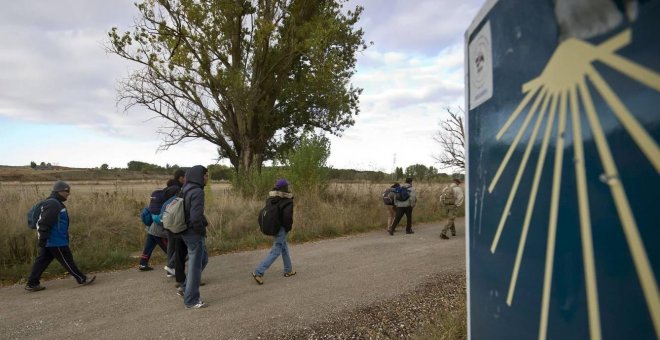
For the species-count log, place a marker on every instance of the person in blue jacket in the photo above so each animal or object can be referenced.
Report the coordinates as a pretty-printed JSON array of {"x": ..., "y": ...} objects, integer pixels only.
[{"x": 53, "y": 239}]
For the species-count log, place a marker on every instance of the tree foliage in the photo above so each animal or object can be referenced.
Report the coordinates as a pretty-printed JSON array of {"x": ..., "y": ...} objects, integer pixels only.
[
  {"x": 306, "y": 164},
  {"x": 247, "y": 76},
  {"x": 451, "y": 139}
]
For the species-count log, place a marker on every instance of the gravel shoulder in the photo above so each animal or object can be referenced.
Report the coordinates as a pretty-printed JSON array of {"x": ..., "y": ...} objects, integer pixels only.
[{"x": 347, "y": 276}]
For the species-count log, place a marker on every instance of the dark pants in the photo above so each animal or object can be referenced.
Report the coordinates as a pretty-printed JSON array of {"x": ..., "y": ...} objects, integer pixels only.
[
  {"x": 46, "y": 256},
  {"x": 149, "y": 245},
  {"x": 170, "y": 249},
  {"x": 399, "y": 214},
  {"x": 180, "y": 254}
]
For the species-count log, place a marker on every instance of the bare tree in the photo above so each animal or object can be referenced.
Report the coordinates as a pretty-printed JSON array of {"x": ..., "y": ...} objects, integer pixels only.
[{"x": 451, "y": 138}]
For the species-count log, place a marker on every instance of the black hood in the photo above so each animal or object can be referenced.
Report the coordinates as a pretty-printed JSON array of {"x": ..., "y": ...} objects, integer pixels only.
[{"x": 196, "y": 175}]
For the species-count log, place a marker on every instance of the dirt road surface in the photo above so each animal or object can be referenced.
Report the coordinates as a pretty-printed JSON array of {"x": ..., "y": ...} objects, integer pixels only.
[{"x": 334, "y": 277}]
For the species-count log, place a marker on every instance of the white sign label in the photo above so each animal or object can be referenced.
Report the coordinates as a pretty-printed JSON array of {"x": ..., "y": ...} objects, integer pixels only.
[{"x": 480, "y": 60}]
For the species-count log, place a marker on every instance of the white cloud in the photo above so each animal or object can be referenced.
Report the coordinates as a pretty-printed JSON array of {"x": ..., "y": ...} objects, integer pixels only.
[{"x": 54, "y": 70}]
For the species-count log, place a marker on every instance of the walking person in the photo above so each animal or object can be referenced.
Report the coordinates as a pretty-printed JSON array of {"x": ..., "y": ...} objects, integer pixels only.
[
  {"x": 388, "y": 200},
  {"x": 452, "y": 197},
  {"x": 174, "y": 186},
  {"x": 404, "y": 205},
  {"x": 281, "y": 197},
  {"x": 195, "y": 235},
  {"x": 53, "y": 239}
]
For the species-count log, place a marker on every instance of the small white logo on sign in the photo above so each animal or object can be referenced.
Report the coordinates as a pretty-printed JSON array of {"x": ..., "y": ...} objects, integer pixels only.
[{"x": 480, "y": 59}]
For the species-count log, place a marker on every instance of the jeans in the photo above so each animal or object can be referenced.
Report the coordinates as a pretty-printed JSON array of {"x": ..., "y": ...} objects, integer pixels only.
[
  {"x": 150, "y": 244},
  {"x": 280, "y": 247},
  {"x": 198, "y": 257}
]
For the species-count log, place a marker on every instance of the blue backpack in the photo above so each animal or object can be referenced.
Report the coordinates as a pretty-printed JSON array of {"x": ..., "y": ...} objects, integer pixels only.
[
  {"x": 402, "y": 194},
  {"x": 145, "y": 216}
]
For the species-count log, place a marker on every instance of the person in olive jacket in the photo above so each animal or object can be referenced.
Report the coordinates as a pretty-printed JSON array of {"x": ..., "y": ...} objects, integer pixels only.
[{"x": 53, "y": 239}]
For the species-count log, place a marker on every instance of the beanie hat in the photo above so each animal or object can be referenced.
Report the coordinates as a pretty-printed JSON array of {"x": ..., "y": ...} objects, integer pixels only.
[
  {"x": 61, "y": 186},
  {"x": 281, "y": 184}
]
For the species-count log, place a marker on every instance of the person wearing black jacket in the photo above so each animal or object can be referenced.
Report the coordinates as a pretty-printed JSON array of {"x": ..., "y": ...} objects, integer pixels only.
[
  {"x": 175, "y": 260},
  {"x": 281, "y": 196},
  {"x": 195, "y": 235},
  {"x": 53, "y": 239}
]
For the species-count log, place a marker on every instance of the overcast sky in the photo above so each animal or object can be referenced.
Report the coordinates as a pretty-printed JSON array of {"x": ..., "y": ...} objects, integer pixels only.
[{"x": 58, "y": 97}]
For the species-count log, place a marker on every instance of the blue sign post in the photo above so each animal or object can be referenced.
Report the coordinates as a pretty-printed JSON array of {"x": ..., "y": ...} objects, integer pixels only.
[{"x": 563, "y": 201}]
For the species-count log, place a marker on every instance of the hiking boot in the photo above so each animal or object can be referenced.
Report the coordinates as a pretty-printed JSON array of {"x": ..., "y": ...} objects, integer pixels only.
[
  {"x": 291, "y": 273},
  {"x": 34, "y": 288},
  {"x": 169, "y": 272},
  {"x": 258, "y": 278},
  {"x": 88, "y": 281},
  {"x": 444, "y": 237},
  {"x": 198, "y": 305},
  {"x": 410, "y": 231},
  {"x": 145, "y": 268}
]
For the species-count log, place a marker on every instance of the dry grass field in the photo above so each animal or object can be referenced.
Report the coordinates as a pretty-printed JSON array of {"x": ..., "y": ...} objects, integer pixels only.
[{"x": 106, "y": 232}]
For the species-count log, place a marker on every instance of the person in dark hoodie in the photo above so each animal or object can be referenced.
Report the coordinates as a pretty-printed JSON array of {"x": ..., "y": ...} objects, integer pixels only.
[
  {"x": 53, "y": 239},
  {"x": 195, "y": 236},
  {"x": 281, "y": 196}
]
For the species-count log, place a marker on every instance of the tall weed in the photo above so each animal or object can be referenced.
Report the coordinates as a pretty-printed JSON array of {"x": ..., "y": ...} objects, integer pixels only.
[{"x": 106, "y": 232}]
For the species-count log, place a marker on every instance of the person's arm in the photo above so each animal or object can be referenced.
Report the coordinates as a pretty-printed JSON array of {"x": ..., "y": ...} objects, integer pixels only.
[
  {"x": 196, "y": 219},
  {"x": 287, "y": 215},
  {"x": 458, "y": 192}
]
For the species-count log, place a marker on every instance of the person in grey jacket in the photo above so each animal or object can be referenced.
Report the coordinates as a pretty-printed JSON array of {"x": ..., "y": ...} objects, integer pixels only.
[
  {"x": 195, "y": 235},
  {"x": 405, "y": 207},
  {"x": 53, "y": 236}
]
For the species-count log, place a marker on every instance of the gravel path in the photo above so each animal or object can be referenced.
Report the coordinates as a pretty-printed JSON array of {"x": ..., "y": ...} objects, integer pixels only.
[{"x": 367, "y": 286}]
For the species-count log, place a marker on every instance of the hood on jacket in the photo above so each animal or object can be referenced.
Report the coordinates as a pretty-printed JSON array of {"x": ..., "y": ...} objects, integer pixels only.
[{"x": 196, "y": 175}]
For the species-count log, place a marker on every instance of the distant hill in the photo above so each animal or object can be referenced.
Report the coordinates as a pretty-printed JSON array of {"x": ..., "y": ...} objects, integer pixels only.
[{"x": 27, "y": 174}]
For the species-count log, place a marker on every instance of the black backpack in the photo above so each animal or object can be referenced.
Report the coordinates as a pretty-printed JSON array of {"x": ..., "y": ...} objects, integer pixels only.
[
  {"x": 270, "y": 219},
  {"x": 156, "y": 201}
]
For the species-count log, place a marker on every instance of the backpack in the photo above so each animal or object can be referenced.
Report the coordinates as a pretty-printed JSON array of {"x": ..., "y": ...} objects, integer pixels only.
[
  {"x": 269, "y": 218},
  {"x": 447, "y": 197},
  {"x": 388, "y": 196},
  {"x": 34, "y": 214},
  {"x": 156, "y": 202},
  {"x": 402, "y": 194},
  {"x": 145, "y": 216},
  {"x": 173, "y": 216}
]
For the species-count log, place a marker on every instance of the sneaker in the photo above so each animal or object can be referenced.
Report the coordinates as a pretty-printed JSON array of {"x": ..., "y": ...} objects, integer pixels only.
[
  {"x": 88, "y": 281},
  {"x": 34, "y": 288},
  {"x": 444, "y": 237},
  {"x": 180, "y": 292},
  {"x": 291, "y": 273},
  {"x": 169, "y": 272},
  {"x": 258, "y": 278},
  {"x": 145, "y": 268},
  {"x": 198, "y": 305}
]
